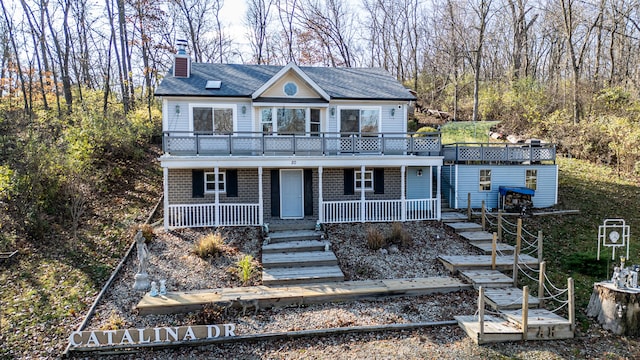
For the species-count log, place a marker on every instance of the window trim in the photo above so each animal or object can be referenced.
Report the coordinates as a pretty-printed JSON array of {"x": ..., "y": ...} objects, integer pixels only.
[
  {"x": 356, "y": 180},
  {"x": 223, "y": 174},
  {"x": 534, "y": 177},
  {"x": 213, "y": 106},
  {"x": 359, "y": 108},
  {"x": 480, "y": 189}
]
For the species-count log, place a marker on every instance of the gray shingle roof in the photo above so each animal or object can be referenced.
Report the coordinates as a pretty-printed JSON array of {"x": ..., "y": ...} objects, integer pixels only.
[{"x": 243, "y": 80}]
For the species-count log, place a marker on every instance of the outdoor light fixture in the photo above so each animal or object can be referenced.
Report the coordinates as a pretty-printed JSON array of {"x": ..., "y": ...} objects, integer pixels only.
[
  {"x": 333, "y": 111},
  {"x": 393, "y": 112},
  {"x": 177, "y": 109},
  {"x": 244, "y": 109},
  {"x": 419, "y": 172}
]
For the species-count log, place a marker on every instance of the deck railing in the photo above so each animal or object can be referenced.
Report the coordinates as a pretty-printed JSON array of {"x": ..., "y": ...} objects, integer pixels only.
[
  {"x": 206, "y": 215},
  {"x": 379, "y": 210},
  {"x": 499, "y": 153},
  {"x": 323, "y": 143}
]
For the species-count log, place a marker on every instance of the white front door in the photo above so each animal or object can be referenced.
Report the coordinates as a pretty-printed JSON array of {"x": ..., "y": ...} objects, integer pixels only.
[{"x": 291, "y": 194}]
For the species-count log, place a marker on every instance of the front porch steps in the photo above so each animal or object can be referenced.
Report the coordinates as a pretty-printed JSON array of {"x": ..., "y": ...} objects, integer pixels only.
[{"x": 298, "y": 255}]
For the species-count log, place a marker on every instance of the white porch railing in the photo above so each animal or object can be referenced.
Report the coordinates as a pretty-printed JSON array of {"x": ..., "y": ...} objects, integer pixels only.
[
  {"x": 379, "y": 210},
  {"x": 204, "y": 215}
]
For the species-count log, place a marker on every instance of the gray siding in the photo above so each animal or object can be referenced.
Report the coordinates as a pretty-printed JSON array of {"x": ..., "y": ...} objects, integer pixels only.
[{"x": 468, "y": 178}]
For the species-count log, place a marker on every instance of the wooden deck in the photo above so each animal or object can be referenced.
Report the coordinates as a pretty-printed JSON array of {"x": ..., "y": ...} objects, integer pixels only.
[
  {"x": 280, "y": 296},
  {"x": 455, "y": 263},
  {"x": 495, "y": 329},
  {"x": 477, "y": 236},
  {"x": 486, "y": 248},
  {"x": 542, "y": 324},
  {"x": 507, "y": 298},
  {"x": 486, "y": 278},
  {"x": 464, "y": 227}
]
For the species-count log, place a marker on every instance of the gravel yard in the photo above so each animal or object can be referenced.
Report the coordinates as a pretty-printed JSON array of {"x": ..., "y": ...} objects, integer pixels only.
[{"x": 171, "y": 258}]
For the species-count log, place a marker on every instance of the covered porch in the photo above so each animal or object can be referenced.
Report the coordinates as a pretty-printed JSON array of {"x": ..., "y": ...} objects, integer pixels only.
[{"x": 329, "y": 193}]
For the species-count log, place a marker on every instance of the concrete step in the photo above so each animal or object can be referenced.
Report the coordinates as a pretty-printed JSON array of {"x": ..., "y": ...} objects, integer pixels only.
[
  {"x": 294, "y": 246},
  {"x": 286, "y": 225},
  {"x": 302, "y": 275},
  {"x": 293, "y": 235},
  {"x": 495, "y": 330},
  {"x": 299, "y": 259},
  {"x": 452, "y": 217}
]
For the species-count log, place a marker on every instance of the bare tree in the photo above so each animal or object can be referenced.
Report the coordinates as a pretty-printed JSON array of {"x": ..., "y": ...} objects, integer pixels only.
[
  {"x": 258, "y": 18},
  {"x": 482, "y": 13}
]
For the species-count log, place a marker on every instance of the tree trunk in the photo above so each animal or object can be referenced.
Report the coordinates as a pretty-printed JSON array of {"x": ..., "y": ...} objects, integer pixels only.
[{"x": 617, "y": 310}]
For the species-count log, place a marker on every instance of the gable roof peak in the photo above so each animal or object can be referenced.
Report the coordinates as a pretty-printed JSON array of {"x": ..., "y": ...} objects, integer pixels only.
[{"x": 291, "y": 66}]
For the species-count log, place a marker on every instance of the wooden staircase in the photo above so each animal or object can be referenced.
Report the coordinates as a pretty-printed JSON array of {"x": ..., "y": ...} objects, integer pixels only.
[
  {"x": 296, "y": 254},
  {"x": 515, "y": 314}
]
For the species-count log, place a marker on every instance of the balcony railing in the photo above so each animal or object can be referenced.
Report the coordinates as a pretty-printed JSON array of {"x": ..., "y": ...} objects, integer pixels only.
[
  {"x": 499, "y": 153},
  {"x": 325, "y": 143}
]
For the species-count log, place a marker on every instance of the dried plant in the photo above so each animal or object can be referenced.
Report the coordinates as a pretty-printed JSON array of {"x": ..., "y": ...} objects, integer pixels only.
[
  {"x": 375, "y": 239},
  {"x": 399, "y": 235},
  {"x": 209, "y": 245}
]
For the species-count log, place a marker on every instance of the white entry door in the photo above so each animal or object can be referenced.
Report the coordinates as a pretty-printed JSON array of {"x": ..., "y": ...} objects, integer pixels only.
[{"x": 291, "y": 194}]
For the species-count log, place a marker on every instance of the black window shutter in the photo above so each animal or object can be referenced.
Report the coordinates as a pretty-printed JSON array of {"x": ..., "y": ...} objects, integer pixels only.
[
  {"x": 308, "y": 192},
  {"x": 378, "y": 181},
  {"x": 275, "y": 193},
  {"x": 197, "y": 183},
  {"x": 232, "y": 183},
  {"x": 349, "y": 181}
]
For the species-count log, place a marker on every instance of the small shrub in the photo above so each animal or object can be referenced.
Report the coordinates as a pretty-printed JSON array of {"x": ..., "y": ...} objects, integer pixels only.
[
  {"x": 209, "y": 245},
  {"x": 211, "y": 314},
  {"x": 375, "y": 239},
  {"x": 399, "y": 235},
  {"x": 114, "y": 322},
  {"x": 246, "y": 269}
]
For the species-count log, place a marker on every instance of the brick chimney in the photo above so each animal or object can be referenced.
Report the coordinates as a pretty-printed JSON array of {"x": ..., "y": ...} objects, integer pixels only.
[{"x": 182, "y": 61}]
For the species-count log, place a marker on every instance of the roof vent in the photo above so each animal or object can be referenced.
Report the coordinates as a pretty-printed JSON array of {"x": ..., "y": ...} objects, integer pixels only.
[
  {"x": 213, "y": 84},
  {"x": 182, "y": 61}
]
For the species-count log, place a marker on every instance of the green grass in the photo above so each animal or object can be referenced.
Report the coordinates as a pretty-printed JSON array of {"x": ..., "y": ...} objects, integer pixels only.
[{"x": 466, "y": 131}]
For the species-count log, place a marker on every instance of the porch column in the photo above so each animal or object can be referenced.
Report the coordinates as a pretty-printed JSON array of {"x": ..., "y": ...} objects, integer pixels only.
[
  {"x": 260, "y": 198},
  {"x": 363, "y": 208},
  {"x": 320, "y": 199},
  {"x": 216, "y": 171},
  {"x": 165, "y": 185},
  {"x": 403, "y": 202},
  {"x": 438, "y": 194}
]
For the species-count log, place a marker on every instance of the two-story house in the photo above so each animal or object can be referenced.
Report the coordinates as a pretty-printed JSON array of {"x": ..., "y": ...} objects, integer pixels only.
[{"x": 249, "y": 144}]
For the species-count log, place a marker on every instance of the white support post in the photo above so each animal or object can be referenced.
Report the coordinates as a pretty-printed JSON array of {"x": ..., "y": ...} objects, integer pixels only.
[
  {"x": 403, "y": 202},
  {"x": 320, "y": 198},
  {"x": 260, "y": 198},
  {"x": 216, "y": 171},
  {"x": 438, "y": 194},
  {"x": 363, "y": 208},
  {"x": 165, "y": 185}
]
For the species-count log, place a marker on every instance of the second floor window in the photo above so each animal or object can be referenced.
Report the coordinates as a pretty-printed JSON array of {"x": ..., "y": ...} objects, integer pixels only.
[
  {"x": 212, "y": 120},
  {"x": 286, "y": 121},
  {"x": 364, "y": 122},
  {"x": 485, "y": 180}
]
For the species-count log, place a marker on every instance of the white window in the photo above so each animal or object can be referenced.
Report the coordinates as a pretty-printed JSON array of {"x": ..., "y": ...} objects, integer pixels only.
[
  {"x": 209, "y": 120},
  {"x": 286, "y": 121},
  {"x": 210, "y": 182},
  {"x": 485, "y": 180},
  {"x": 368, "y": 180},
  {"x": 531, "y": 179},
  {"x": 363, "y": 122}
]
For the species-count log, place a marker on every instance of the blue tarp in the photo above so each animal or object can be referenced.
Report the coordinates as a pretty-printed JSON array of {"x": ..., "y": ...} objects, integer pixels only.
[{"x": 520, "y": 190}]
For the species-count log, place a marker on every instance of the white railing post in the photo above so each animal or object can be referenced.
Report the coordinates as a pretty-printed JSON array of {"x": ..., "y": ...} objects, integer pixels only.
[
  {"x": 438, "y": 193},
  {"x": 260, "y": 198},
  {"x": 165, "y": 185},
  {"x": 403, "y": 202},
  {"x": 216, "y": 171},
  {"x": 363, "y": 207},
  {"x": 320, "y": 197}
]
